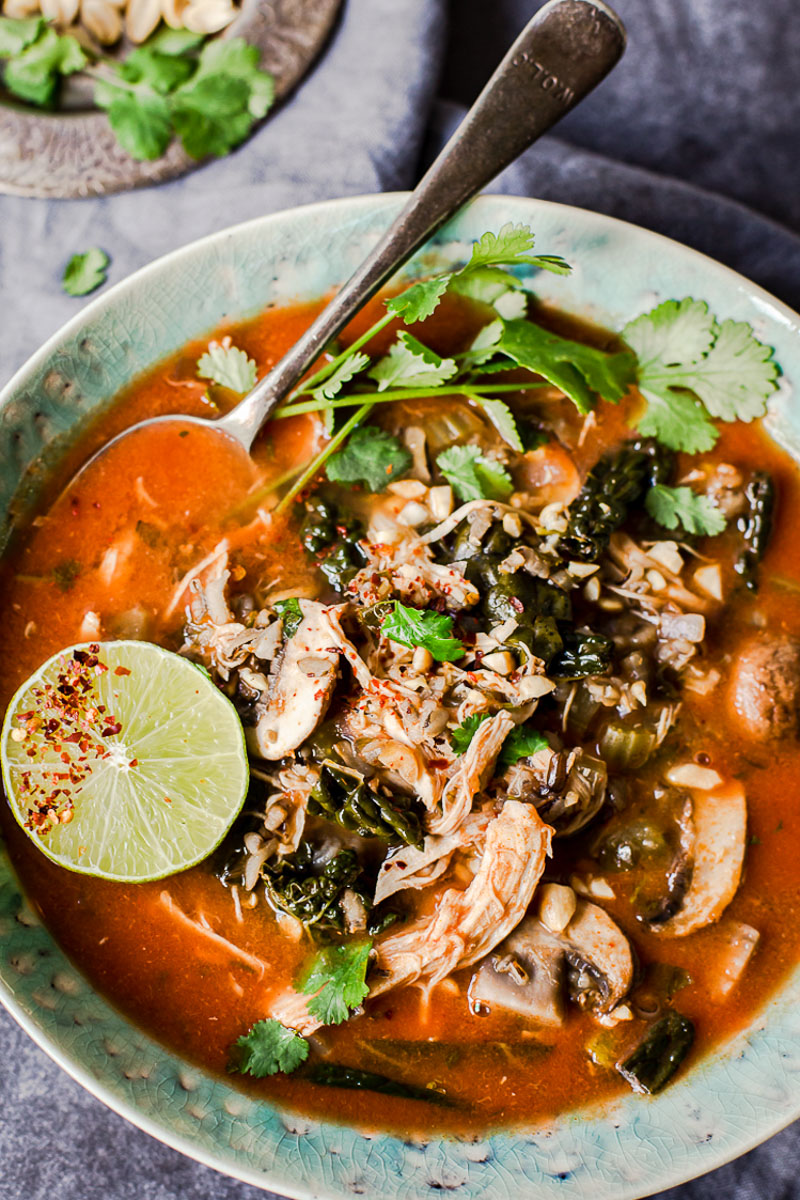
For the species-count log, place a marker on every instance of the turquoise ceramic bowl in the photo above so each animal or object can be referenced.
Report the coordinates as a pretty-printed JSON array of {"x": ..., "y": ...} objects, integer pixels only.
[{"x": 724, "y": 1105}]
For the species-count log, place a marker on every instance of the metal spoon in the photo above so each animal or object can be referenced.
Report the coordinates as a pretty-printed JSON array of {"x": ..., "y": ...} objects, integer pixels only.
[{"x": 563, "y": 52}]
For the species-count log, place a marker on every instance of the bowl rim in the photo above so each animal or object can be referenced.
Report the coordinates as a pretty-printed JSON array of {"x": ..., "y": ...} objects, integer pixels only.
[{"x": 772, "y": 308}]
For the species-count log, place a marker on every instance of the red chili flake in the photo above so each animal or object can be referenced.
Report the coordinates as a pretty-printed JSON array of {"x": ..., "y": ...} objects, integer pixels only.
[
  {"x": 135, "y": 762},
  {"x": 122, "y": 671},
  {"x": 167, "y": 800},
  {"x": 112, "y": 728}
]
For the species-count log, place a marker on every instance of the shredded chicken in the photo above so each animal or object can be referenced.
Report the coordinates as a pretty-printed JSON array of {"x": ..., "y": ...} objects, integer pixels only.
[{"x": 301, "y": 688}]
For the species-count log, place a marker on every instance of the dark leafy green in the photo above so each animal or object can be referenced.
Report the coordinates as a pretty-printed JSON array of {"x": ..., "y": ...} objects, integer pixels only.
[
  {"x": 755, "y": 526},
  {"x": 658, "y": 1056},
  {"x": 335, "y": 1075}
]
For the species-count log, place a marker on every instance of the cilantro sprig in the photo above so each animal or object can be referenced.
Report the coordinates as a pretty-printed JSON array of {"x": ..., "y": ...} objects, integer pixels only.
[
  {"x": 674, "y": 506},
  {"x": 227, "y": 365},
  {"x": 85, "y": 272},
  {"x": 207, "y": 93},
  {"x": 335, "y": 979},
  {"x": 371, "y": 456},
  {"x": 472, "y": 476},
  {"x": 268, "y": 1048},
  {"x": 432, "y": 631},
  {"x": 692, "y": 368},
  {"x": 520, "y": 742}
]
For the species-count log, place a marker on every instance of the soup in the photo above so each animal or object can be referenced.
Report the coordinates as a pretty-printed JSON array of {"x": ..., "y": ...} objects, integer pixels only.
[{"x": 519, "y": 687}]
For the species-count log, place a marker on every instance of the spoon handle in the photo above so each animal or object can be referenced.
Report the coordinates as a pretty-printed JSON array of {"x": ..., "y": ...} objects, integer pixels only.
[{"x": 565, "y": 50}]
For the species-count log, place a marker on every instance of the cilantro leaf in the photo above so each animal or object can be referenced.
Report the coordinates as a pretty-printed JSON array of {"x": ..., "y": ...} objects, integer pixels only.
[
  {"x": 237, "y": 59},
  {"x": 462, "y": 735},
  {"x": 371, "y": 456},
  {"x": 512, "y": 246},
  {"x": 36, "y": 71},
  {"x": 578, "y": 370},
  {"x": 270, "y": 1047},
  {"x": 85, "y": 272},
  {"x": 691, "y": 368},
  {"x": 410, "y": 364},
  {"x": 473, "y": 477},
  {"x": 521, "y": 742},
  {"x": 502, "y": 418},
  {"x": 228, "y": 366},
  {"x": 290, "y": 613},
  {"x": 420, "y": 301},
  {"x": 335, "y": 980},
  {"x": 162, "y": 72},
  {"x": 677, "y": 420},
  {"x": 673, "y": 506},
  {"x": 493, "y": 286},
  {"x": 174, "y": 42},
  {"x": 16, "y": 33},
  {"x": 210, "y": 115},
  {"x": 141, "y": 122},
  {"x": 347, "y": 370},
  {"x": 421, "y": 627},
  {"x": 484, "y": 346}
]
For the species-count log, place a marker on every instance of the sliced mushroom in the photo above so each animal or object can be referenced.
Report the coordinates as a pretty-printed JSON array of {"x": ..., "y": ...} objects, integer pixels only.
[
  {"x": 534, "y": 969},
  {"x": 719, "y": 821},
  {"x": 300, "y": 689}
]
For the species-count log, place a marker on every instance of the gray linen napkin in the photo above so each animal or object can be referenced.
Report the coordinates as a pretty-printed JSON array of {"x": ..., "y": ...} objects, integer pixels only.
[{"x": 694, "y": 135}]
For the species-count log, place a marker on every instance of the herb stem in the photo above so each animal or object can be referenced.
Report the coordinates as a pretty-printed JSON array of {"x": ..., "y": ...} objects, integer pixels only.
[
  {"x": 292, "y": 409},
  {"x": 322, "y": 374},
  {"x": 336, "y": 441}
]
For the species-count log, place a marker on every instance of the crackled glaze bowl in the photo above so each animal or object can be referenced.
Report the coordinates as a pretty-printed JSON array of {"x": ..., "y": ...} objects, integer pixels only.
[{"x": 725, "y": 1104}]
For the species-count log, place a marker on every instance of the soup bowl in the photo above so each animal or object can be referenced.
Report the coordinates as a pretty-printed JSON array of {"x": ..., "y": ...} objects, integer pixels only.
[{"x": 745, "y": 1090}]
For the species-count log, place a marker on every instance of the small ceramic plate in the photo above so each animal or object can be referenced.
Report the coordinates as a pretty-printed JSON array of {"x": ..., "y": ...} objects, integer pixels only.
[
  {"x": 722, "y": 1105},
  {"x": 72, "y": 154}
]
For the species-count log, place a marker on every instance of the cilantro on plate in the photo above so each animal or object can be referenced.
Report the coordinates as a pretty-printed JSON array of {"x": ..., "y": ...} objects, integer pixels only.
[
  {"x": 472, "y": 476},
  {"x": 227, "y": 366},
  {"x": 85, "y": 272},
  {"x": 336, "y": 980},
  {"x": 674, "y": 506},
  {"x": 371, "y": 456},
  {"x": 414, "y": 627},
  {"x": 692, "y": 368},
  {"x": 268, "y": 1048},
  {"x": 206, "y": 92}
]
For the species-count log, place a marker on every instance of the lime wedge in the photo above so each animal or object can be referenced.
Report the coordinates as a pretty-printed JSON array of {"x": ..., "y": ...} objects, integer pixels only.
[{"x": 123, "y": 760}]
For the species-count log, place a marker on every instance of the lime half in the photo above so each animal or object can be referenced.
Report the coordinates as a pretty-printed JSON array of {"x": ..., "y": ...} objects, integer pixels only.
[{"x": 123, "y": 760}]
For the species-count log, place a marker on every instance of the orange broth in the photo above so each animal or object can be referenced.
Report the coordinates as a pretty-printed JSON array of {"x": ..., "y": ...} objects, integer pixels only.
[{"x": 144, "y": 947}]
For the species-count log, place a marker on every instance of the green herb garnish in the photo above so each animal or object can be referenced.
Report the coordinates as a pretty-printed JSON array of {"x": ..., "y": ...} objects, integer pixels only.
[
  {"x": 371, "y": 456},
  {"x": 674, "y": 506},
  {"x": 473, "y": 476},
  {"x": 207, "y": 93},
  {"x": 521, "y": 741},
  {"x": 335, "y": 981},
  {"x": 85, "y": 272},
  {"x": 421, "y": 627},
  {"x": 410, "y": 364},
  {"x": 290, "y": 614},
  {"x": 228, "y": 366},
  {"x": 580, "y": 371},
  {"x": 268, "y": 1048},
  {"x": 692, "y": 368}
]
